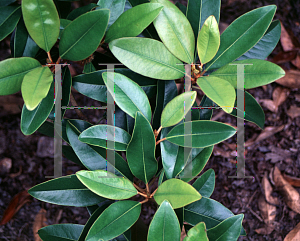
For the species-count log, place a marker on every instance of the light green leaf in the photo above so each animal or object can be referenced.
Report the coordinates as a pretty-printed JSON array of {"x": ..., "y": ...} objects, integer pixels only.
[
  {"x": 164, "y": 225},
  {"x": 97, "y": 135},
  {"x": 106, "y": 184},
  {"x": 35, "y": 86},
  {"x": 147, "y": 57},
  {"x": 259, "y": 73},
  {"x": 82, "y": 37},
  {"x": 177, "y": 108},
  {"x": 177, "y": 192},
  {"x": 204, "y": 133},
  {"x": 12, "y": 73},
  {"x": 208, "y": 40},
  {"x": 32, "y": 120},
  {"x": 228, "y": 229},
  {"x": 67, "y": 191},
  {"x": 132, "y": 22},
  {"x": 9, "y": 17},
  {"x": 127, "y": 94},
  {"x": 141, "y": 150},
  {"x": 219, "y": 91},
  {"x": 175, "y": 31},
  {"x": 42, "y": 22},
  {"x": 197, "y": 233},
  {"x": 61, "y": 232},
  {"x": 114, "y": 220},
  {"x": 242, "y": 35}
]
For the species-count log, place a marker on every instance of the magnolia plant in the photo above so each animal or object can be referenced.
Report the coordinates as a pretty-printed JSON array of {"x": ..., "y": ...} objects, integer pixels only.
[{"x": 162, "y": 138}]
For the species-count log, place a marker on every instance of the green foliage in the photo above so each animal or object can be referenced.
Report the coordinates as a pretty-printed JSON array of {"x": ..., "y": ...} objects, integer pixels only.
[{"x": 157, "y": 42}]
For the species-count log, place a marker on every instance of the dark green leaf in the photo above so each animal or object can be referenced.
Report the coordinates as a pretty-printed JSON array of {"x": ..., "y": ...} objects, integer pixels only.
[
  {"x": 181, "y": 7},
  {"x": 61, "y": 232},
  {"x": 79, "y": 11},
  {"x": 6, "y": 2},
  {"x": 88, "y": 68},
  {"x": 67, "y": 191},
  {"x": 205, "y": 184},
  {"x": 9, "y": 17},
  {"x": 208, "y": 105},
  {"x": 47, "y": 128},
  {"x": 31, "y": 48},
  {"x": 19, "y": 40},
  {"x": 69, "y": 153}
]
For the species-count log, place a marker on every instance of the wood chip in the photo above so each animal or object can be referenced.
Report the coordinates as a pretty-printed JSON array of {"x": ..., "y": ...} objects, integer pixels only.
[
  {"x": 285, "y": 40},
  {"x": 294, "y": 235},
  {"x": 293, "y": 111},
  {"x": 291, "y": 79},
  {"x": 294, "y": 181},
  {"x": 39, "y": 222}
]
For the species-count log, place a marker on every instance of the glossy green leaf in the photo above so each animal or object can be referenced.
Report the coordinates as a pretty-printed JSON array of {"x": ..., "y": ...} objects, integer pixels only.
[
  {"x": 197, "y": 233},
  {"x": 63, "y": 24},
  {"x": 9, "y": 17},
  {"x": 208, "y": 40},
  {"x": 82, "y": 37},
  {"x": 31, "y": 48},
  {"x": 32, "y": 120},
  {"x": 229, "y": 229},
  {"x": 79, "y": 11},
  {"x": 19, "y": 40},
  {"x": 35, "y": 86},
  {"x": 132, "y": 22},
  {"x": 258, "y": 73},
  {"x": 61, "y": 232},
  {"x": 6, "y": 2},
  {"x": 42, "y": 22},
  {"x": 162, "y": 177},
  {"x": 93, "y": 157},
  {"x": 106, "y": 184},
  {"x": 181, "y": 7},
  {"x": 67, "y": 191},
  {"x": 164, "y": 225},
  {"x": 116, "y": 8},
  {"x": 97, "y": 135},
  {"x": 115, "y": 220},
  {"x": 177, "y": 192},
  {"x": 177, "y": 108},
  {"x": 66, "y": 88},
  {"x": 88, "y": 68},
  {"x": 92, "y": 84},
  {"x": 209, "y": 211},
  {"x": 199, "y": 10},
  {"x": 242, "y": 35},
  {"x": 69, "y": 153},
  {"x": 266, "y": 44},
  {"x": 219, "y": 91},
  {"x": 147, "y": 57},
  {"x": 175, "y": 31},
  {"x": 141, "y": 150},
  {"x": 127, "y": 94},
  {"x": 253, "y": 111},
  {"x": 47, "y": 128},
  {"x": 206, "y": 113},
  {"x": 204, "y": 133},
  {"x": 205, "y": 184},
  {"x": 196, "y": 161},
  {"x": 12, "y": 73}
]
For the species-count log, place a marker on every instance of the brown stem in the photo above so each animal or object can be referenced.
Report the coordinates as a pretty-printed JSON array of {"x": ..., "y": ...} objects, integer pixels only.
[
  {"x": 142, "y": 194},
  {"x": 49, "y": 57},
  {"x": 203, "y": 72},
  {"x": 78, "y": 111},
  {"x": 147, "y": 188},
  {"x": 58, "y": 60},
  {"x": 152, "y": 194},
  {"x": 160, "y": 141},
  {"x": 146, "y": 200},
  {"x": 138, "y": 188}
]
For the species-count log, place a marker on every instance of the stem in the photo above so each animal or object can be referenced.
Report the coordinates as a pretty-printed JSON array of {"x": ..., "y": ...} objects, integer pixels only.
[
  {"x": 138, "y": 188},
  {"x": 147, "y": 188},
  {"x": 78, "y": 111},
  {"x": 152, "y": 181},
  {"x": 142, "y": 194},
  {"x": 152, "y": 194},
  {"x": 146, "y": 200},
  {"x": 58, "y": 60},
  {"x": 49, "y": 57},
  {"x": 160, "y": 141},
  {"x": 202, "y": 73}
]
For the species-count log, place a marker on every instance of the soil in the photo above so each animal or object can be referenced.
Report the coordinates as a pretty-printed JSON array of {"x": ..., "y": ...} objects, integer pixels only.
[{"x": 31, "y": 161}]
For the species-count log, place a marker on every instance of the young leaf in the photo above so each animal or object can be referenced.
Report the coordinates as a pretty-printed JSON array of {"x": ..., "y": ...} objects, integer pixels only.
[
  {"x": 42, "y": 22},
  {"x": 177, "y": 192},
  {"x": 61, "y": 232},
  {"x": 175, "y": 31},
  {"x": 32, "y": 120},
  {"x": 132, "y": 22},
  {"x": 219, "y": 91},
  {"x": 164, "y": 225},
  {"x": 177, "y": 108},
  {"x": 260, "y": 73},
  {"x": 141, "y": 150},
  {"x": 106, "y": 184},
  {"x": 205, "y": 184},
  {"x": 67, "y": 191},
  {"x": 208, "y": 40},
  {"x": 115, "y": 220},
  {"x": 127, "y": 94},
  {"x": 209, "y": 211},
  {"x": 9, "y": 17},
  {"x": 12, "y": 73},
  {"x": 204, "y": 133},
  {"x": 228, "y": 229},
  {"x": 82, "y": 37},
  {"x": 97, "y": 135},
  {"x": 198, "y": 232},
  {"x": 242, "y": 35},
  {"x": 147, "y": 57},
  {"x": 35, "y": 86}
]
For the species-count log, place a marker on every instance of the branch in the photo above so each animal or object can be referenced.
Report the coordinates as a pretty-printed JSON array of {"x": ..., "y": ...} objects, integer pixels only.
[
  {"x": 138, "y": 188},
  {"x": 49, "y": 57},
  {"x": 160, "y": 141}
]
